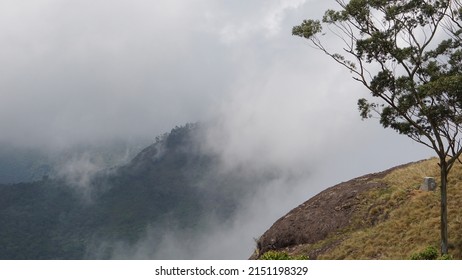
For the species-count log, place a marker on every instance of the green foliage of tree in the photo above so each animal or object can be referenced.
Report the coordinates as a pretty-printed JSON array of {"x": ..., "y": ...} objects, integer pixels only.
[{"x": 408, "y": 54}]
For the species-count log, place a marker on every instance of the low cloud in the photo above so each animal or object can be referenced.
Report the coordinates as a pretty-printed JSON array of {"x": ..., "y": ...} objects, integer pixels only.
[{"x": 214, "y": 238}]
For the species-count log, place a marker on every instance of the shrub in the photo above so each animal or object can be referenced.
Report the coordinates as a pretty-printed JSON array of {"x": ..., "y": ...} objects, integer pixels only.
[
  {"x": 276, "y": 255},
  {"x": 430, "y": 253},
  {"x": 446, "y": 257}
]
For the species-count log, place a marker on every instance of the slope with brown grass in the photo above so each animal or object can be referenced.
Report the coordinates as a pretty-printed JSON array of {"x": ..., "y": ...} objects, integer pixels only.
[{"x": 377, "y": 216}]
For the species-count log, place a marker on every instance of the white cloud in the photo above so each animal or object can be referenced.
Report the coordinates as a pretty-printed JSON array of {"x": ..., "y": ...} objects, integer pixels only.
[
  {"x": 238, "y": 22},
  {"x": 75, "y": 71}
]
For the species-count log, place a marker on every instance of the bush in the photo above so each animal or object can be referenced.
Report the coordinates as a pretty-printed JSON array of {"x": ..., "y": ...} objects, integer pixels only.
[
  {"x": 430, "y": 253},
  {"x": 446, "y": 257},
  {"x": 276, "y": 255}
]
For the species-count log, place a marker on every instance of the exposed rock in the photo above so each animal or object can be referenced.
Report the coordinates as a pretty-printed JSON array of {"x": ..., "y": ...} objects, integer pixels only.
[
  {"x": 429, "y": 184},
  {"x": 326, "y": 213}
]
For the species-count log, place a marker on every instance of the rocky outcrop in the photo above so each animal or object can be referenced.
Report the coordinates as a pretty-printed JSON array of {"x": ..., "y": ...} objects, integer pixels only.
[{"x": 324, "y": 214}]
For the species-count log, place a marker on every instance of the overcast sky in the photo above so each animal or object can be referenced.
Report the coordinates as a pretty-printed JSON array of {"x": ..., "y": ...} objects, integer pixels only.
[{"x": 76, "y": 71}]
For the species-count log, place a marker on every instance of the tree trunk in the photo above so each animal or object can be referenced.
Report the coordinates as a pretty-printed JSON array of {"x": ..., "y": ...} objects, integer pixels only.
[{"x": 444, "y": 207}]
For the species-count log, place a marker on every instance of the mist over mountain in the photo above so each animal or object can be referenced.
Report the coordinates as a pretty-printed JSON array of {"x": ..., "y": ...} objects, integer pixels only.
[
  {"x": 26, "y": 164},
  {"x": 22, "y": 165},
  {"x": 172, "y": 188}
]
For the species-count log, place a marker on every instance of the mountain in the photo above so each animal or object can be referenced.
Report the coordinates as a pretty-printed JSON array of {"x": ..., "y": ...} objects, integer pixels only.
[
  {"x": 377, "y": 216},
  {"x": 28, "y": 164},
  {"x": 173, "y": 186},
  {"x": 22, "y": 165}
]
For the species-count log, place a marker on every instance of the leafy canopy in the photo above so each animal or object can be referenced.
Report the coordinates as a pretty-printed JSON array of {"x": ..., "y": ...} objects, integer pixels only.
[{"x": 408, "y": 54}]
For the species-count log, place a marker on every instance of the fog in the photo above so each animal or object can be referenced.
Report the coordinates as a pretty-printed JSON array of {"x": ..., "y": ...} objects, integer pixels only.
[{"x": 77, "y": 71}]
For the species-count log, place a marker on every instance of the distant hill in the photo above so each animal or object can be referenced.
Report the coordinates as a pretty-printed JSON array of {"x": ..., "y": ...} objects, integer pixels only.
[
  {"x": 22, "y": 164},
  {"x": 27, "y": 164},
  {"x": 376, "y": 216},
  {"x": 171, "y": 186}
]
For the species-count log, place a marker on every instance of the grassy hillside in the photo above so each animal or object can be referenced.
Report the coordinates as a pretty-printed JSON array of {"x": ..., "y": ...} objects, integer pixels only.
[{"x": 397, "y": 221}]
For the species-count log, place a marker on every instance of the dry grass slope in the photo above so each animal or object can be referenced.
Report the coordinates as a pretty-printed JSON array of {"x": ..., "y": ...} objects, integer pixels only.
[{"x": 401, "y": 219}]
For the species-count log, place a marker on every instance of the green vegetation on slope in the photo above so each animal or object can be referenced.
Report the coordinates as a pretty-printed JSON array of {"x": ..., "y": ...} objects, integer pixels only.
[{"x": 171, "y": 186}]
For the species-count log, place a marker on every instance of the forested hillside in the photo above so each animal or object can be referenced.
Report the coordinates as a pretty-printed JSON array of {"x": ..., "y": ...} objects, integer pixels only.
[
  {"x": 171, "y": 186},
  {"x": 27, "y": 164}
]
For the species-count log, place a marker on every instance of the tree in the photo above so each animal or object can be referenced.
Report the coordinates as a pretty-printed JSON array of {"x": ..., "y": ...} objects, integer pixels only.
[{"x": 408, "y": 54}]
